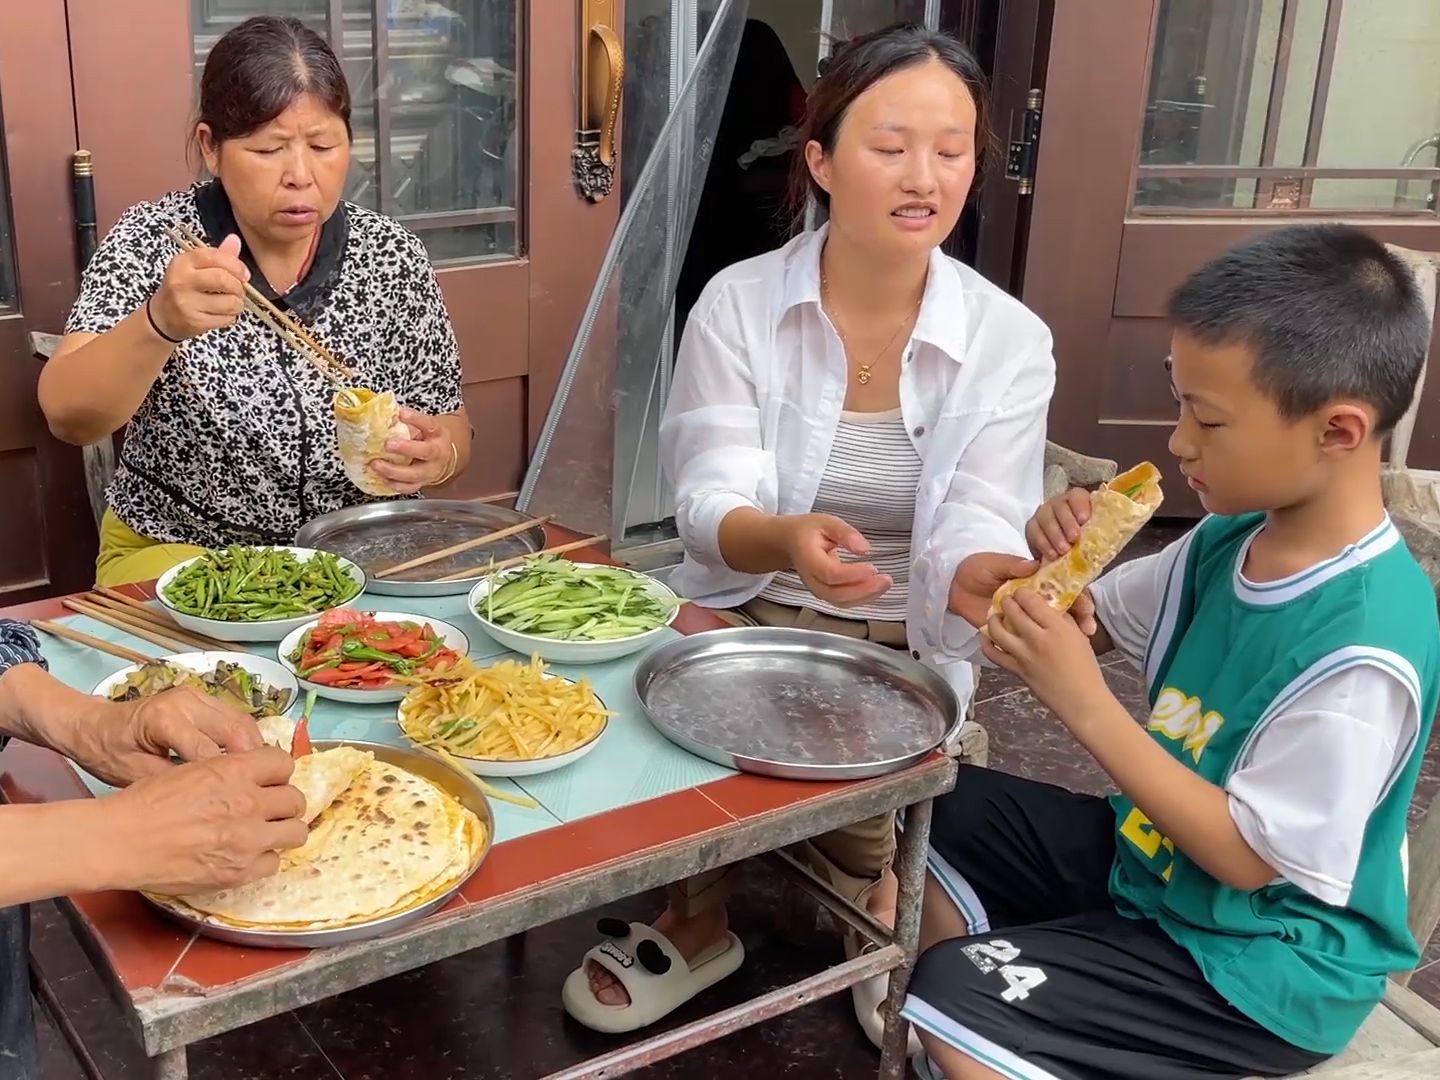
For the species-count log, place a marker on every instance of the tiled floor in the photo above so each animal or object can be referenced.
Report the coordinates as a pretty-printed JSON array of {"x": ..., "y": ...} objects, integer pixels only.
[{"x": 496, "y": 1013}]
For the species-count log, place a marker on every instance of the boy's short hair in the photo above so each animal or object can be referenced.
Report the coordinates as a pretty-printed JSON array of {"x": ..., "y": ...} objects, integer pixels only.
[{"x": 1328, "y": 311}]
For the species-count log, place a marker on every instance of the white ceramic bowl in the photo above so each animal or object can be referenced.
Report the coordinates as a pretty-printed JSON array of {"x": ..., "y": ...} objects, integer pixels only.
[
  {"x": 572, "y": 652},
  {"x": 262, "y": 630},
  {"x": 530, "y": 767},
  {"x": 452, "y": 636},
  {"x": 266, "y": 670}
]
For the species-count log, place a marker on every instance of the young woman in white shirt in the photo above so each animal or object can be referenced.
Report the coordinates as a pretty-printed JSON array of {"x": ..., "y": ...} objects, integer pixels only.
[{"x": 851, "y": 416}]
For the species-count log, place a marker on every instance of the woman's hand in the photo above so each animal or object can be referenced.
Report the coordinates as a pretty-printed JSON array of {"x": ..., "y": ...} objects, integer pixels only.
[
  {"x": 203, "y": 289},
  {"x": 977, "y": 578},
  {"x": 813, "y": 543},
  {"x": 972, "y": 590},
  {"x": 432, "y": 455}
]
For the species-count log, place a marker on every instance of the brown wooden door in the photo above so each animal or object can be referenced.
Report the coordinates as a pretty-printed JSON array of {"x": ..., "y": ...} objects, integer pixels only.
[
  {"x": 1174, "y": 128},
  {"x": 47, "y": 535},
  {"x": 465, "y": 118}
]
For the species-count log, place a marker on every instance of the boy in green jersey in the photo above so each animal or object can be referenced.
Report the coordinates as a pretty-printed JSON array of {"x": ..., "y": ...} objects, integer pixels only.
[{"x": 1236, "y": 908}]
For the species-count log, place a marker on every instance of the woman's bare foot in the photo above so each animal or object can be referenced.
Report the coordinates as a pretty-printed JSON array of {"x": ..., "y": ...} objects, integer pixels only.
[{"x": 690, "y": 936}]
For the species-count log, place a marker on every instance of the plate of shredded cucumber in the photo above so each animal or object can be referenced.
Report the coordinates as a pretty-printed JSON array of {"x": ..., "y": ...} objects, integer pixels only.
[{"x": 573, "y": 612}]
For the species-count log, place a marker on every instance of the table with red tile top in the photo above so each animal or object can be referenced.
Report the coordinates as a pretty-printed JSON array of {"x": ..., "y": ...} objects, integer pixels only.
[{"x": 178, "y": 988}]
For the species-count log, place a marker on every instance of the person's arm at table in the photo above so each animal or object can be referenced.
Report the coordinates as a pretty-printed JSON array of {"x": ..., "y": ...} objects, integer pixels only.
[
  {"x": 215, "y": 821},
  {"x": 204, "y": 825},
  {"x": 96, "y": 381},
  {"x": 726, "y": 481}
]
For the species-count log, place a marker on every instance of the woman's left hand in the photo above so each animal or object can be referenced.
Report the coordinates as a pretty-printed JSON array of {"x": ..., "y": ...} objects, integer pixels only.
[
  {"x": 1049, "y": 650},
  {"x": 430, "y": 452}
]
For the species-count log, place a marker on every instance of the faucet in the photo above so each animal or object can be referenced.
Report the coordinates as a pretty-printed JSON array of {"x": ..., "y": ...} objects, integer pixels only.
[{"x": 1431, "y": 142}]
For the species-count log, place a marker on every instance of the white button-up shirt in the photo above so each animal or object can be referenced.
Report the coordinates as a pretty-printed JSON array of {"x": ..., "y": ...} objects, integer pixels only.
[{"x": 756, "y": 399}]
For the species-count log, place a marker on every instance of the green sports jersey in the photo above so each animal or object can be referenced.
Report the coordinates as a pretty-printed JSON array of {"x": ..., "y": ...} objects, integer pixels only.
[{"x": 1224, "y": 657}]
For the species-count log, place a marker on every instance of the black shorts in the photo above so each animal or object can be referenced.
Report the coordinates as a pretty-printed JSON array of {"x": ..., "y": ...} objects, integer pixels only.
[{"x": 1054, "y": 982}]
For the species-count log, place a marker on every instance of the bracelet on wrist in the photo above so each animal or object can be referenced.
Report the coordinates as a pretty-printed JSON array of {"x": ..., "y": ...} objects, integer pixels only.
[
  {"x": 449, "y": 473},
  {"x": 150, "y": 317}
]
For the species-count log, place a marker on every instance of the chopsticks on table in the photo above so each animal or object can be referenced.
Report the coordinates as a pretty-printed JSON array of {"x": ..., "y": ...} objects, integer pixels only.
[
  {"x": 467, "y": 545},
  {"x": 56, "y": 630},
  {"x": 290, "y": 329},
  {"x": 505, "y": 564},
  {"x": 119, "y": 602},
  {"x": 141, "y": 622}
]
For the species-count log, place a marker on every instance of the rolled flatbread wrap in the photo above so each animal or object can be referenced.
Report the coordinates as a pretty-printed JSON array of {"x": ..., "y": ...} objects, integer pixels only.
[
  {"x": 364, "y": 422},
  {"x": 1118, "y": 510}
]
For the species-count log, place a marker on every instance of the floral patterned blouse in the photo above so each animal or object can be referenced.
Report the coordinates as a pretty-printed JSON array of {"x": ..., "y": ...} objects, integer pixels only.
[{"x": 235, "y": 442}]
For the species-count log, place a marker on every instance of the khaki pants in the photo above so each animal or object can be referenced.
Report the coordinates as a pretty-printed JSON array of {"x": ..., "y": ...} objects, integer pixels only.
[
  {"x": 760, "y": 612},
  {"x": 853, "y": 859}
]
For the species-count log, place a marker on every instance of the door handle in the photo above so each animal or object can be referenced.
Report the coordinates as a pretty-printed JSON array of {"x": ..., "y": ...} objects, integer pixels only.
[{"x": 602, "y": 81}]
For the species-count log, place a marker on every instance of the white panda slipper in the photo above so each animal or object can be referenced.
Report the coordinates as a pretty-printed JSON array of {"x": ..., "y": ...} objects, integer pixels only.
[{"x": 651, "y": 970}]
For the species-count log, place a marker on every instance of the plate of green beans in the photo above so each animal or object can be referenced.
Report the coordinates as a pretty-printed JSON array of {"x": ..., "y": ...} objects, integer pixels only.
[{"x": 244, "y": 593}]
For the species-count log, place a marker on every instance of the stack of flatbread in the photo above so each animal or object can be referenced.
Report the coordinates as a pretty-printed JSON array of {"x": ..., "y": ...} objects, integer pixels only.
[{"x": 382, "y": 841}]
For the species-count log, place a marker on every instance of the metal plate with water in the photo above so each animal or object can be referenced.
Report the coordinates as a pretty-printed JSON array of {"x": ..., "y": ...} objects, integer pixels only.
[
  {"x": 378, "y": 535},
  {"x": 796, "y": 704}
]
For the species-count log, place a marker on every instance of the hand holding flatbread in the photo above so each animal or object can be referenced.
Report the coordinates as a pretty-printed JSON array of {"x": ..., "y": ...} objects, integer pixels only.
[
  {"x": 422, "y": 457},
  {"x": 387, "y": 842},
  {"x": 1117, "y": 512},
  {"x": 130, "y": 740},
  {"x": 218, "y": 822}
]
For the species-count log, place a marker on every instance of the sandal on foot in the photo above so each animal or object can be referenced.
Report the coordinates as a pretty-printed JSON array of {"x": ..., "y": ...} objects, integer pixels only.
[
  {"x": 868, "y": 998},
  {"x": 652, "y": 971}
]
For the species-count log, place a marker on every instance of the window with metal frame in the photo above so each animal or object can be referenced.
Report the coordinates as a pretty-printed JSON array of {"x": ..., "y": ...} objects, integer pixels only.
[
  {"x": 1318, "y": 107},
  {"x": 437, "y": 91}
]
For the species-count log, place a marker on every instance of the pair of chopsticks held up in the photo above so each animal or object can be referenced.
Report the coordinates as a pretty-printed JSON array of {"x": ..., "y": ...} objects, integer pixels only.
[{"x": 288, "y": 328}]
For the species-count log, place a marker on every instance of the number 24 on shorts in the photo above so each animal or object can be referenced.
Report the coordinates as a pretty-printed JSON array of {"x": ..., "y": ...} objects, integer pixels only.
[{"x": 991, "y": 956}]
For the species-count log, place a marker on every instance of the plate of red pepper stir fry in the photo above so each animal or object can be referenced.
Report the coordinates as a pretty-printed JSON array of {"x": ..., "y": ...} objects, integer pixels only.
[{"x": 370, "y": 656}]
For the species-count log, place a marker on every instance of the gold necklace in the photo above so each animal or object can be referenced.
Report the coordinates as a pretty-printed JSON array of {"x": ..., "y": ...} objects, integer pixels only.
[{"x": 862, "y": 371}]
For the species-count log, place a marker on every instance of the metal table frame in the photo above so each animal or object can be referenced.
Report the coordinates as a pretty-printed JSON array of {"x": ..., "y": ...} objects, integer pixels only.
[{"x": 167, "y": 1023}]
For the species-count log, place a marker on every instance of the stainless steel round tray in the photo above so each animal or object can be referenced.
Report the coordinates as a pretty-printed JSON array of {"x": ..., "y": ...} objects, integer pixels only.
[
  {"x": 795, "y": 704},
  {"x": 413, "y": 759},
  {"x": 377, "y": 535}
]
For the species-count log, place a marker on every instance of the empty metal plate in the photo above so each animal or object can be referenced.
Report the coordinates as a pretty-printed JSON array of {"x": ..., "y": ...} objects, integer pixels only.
[
  {"x": 796, "y": 704},
  {"x": 383, "y": 534}
]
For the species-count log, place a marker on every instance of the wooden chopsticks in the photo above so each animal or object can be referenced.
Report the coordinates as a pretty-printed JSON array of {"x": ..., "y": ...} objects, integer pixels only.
[
  {"x": 467, "y": 545},
  {"x": 290, "y": 329},
  {"x": 174, "y": 640},
  {"x": 120, "y": 602},
  {"x": 505, "y": 564},
  {"x": 56, "y": 630},
  {"x": 134, "y": 617}
]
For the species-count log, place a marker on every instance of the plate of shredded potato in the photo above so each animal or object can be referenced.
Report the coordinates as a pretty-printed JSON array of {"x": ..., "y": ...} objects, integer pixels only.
[{"x": 510, "y": 718}]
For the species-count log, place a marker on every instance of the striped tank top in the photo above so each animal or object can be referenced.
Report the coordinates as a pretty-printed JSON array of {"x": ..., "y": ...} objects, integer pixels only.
[{"x": 870, "y": 481}]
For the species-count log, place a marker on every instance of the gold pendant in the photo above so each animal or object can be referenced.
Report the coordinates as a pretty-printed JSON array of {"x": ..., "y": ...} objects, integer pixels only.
[{"x": 863, "y": 376}]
